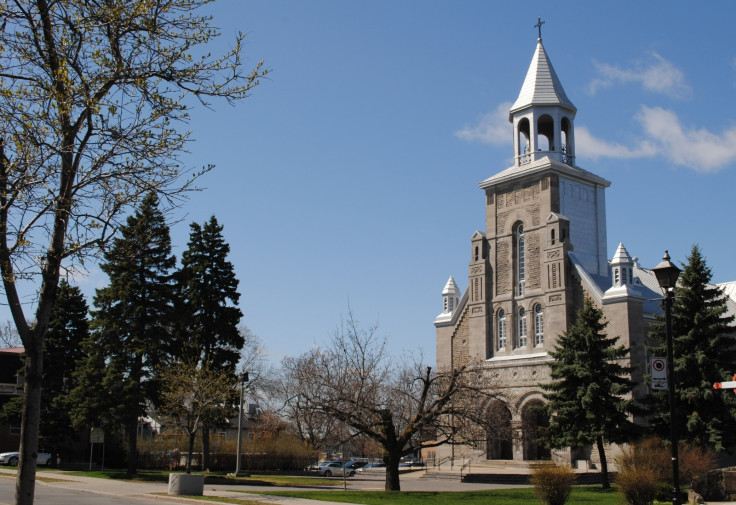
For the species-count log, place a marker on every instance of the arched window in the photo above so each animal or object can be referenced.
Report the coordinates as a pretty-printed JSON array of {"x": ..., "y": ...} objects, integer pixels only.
[
  {"x": 538, "y": 325},
  {"x": 522, "y": 328},
  {"x": 501, "y": 330},
  {"x": 520, "y": 258}
]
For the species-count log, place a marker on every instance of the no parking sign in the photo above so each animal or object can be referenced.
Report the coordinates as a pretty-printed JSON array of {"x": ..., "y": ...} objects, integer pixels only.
[{"x": 659, "y": 373}]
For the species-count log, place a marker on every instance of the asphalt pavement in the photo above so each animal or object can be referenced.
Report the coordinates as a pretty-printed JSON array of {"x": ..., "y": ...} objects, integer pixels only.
[{"x": 61, "y": 488}]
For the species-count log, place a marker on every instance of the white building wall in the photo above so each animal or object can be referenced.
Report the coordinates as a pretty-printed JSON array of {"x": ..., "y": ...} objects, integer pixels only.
[{"x": 585, "y": 206}]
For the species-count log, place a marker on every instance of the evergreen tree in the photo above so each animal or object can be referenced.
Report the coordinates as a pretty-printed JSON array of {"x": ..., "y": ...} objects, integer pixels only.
[
  {"x": 208, "y": 323},
  {"x": 68, "y": 329},
  {"x": 586, "y": 401},
  {"x": 209, "y": 291},
  {"x": 133, "y": 319},
  {"x": 703, "y": 353}
]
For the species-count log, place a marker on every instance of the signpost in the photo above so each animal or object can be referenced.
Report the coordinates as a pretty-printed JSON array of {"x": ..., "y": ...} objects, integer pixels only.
[
  {"x": 659, "y": 373},
  {"x": 96, "y": 436}
]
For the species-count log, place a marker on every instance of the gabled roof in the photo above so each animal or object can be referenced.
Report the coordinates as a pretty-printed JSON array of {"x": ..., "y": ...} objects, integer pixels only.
[{"x": 541, "y": 85}]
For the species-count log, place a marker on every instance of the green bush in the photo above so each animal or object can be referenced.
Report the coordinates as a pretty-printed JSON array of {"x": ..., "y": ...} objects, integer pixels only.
[
  {"x": 638, "y": 485},
  {"x": 551, "y": 482}
]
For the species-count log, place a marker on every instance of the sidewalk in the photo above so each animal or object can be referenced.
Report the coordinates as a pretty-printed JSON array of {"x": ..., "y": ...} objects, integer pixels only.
[{"x": 155, "y": 491}]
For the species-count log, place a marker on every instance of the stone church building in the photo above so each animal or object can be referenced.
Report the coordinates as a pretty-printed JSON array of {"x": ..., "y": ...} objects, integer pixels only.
[{"x": 543, "y": 251}]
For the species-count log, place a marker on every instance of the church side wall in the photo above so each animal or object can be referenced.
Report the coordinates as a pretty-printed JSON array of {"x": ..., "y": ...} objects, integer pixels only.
[{"x": 584, "y": 205}]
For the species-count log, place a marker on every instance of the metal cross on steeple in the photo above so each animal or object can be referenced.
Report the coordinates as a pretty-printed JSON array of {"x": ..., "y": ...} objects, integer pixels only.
[{"x": 539, "y": 25}]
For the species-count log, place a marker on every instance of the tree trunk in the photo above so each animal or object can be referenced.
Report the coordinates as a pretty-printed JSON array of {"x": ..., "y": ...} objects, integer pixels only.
[
  {"x": 132, "y": 446},
  {"x": 25, "y": 482},
  {"x": 604, "y": 463},
  {"x": 392, "y": 471},
  {"x": 191, "y": 450},
  {"x": 205, "y": 448}
]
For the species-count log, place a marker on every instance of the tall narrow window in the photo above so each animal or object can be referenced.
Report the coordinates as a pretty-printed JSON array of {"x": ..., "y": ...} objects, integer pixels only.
[
  {"x": 522, "y": 328},
  {"x": 538, "y": 325},
  {"x": 521, "y": 263},
  {"x": 501, "y": 330}
]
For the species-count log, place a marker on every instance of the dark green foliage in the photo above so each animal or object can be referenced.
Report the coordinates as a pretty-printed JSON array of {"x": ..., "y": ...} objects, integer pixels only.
[
  {"x": 209, "y": 294},
  {"x": 703, "y": 354},
  {"x": 586, "y": 401},
  {"x": 207, "y": 324},
  {"x": 68, "y": 328},
  {"x": 132, "y": 324}
]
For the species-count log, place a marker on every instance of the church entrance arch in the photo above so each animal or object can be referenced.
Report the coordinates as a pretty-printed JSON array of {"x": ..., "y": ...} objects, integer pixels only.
[
  {"x": 534, "y": 422},
  {"x": 498, "y": 433}
]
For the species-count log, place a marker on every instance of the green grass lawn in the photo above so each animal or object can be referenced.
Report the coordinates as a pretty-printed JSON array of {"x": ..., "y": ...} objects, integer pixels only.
[
  {"x": 583, "y": 495},
  {"x": 213, "y": 478}
]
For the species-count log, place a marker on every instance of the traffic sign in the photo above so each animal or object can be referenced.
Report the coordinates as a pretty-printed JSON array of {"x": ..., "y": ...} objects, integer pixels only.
[{"x": 659, "y": 373}]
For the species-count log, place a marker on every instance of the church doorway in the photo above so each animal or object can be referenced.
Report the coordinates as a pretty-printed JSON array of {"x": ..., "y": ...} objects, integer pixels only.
[
  {"x": 534, "y": 423},
  {"x": 498, "y": 441}
]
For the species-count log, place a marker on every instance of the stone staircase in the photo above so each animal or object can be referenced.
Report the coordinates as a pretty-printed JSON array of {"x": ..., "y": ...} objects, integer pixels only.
[{"x": 497, "y": 472}]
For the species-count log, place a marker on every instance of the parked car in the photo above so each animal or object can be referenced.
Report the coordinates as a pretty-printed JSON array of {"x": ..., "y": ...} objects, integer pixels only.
[
  {"x": 410, "y": 463},
  {"x": 355, "y": 465},
  {"x": 335, "y": 469},
  {"x": 11, "y": 458},
  {"x": 373, "y": 466}
]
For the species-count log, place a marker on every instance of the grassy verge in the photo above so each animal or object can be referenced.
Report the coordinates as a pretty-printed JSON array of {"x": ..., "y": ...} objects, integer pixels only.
[
  {"x": 581, "y": 495},
  {"x": 212, "y": 478}
]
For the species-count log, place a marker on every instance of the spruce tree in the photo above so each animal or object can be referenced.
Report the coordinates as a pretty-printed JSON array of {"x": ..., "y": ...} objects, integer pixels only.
[
  {"x": 703, "y": 353},
  {"x": 587, "y": 401},
  {"x": 208, "y": 292},
  {"x": 133, "y": 318},
  {"x": 68, "y": 329}
]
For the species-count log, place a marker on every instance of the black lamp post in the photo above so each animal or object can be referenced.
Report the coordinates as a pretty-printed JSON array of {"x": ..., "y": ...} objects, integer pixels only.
[
  {"x": 667, "y": 274},
  {"x": 243, "y": 377}
]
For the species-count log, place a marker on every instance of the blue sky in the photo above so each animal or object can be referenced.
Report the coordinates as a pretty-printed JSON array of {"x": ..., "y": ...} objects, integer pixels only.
[{"x": 350, "y": 176}]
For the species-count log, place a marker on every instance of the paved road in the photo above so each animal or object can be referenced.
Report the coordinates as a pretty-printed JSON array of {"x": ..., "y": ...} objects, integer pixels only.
[{"x": 58, "y": 488}]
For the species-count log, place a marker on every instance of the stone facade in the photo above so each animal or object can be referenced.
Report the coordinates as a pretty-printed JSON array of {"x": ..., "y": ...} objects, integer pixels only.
[{"x": 543, "y": 252}]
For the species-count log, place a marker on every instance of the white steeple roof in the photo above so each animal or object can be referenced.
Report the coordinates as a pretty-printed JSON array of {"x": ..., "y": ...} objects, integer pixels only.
[
  {"x": 451, "y": 288},
  {"x": 621, "y": 256},
  {"x": 541, "y": 85}
]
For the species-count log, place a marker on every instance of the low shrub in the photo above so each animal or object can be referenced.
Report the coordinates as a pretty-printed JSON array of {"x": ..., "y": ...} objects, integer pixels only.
[
  {"x": 551, "y": 482},
  {"x": 695, "y": 462},
  {"x": 652, "y": 454},
  {"x": 638, "y": 486}
]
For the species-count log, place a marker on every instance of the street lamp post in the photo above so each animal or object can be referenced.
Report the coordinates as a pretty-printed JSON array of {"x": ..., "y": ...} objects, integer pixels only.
[
  {"x": 667, "y": 274},
  {"x": 243, "y": 377}
]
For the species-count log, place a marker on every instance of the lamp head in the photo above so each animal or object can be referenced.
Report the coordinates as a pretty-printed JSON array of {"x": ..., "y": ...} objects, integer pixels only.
[{"x": 666, "y": 273}]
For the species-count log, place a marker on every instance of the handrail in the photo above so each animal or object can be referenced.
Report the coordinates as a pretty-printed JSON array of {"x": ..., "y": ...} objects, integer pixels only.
[{"x": 529, "y": 157}]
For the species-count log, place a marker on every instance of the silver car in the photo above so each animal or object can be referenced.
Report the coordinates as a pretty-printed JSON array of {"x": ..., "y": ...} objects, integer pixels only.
[
  {"x": 12, "y": 458},
  {"x": 335, "y": 469}
]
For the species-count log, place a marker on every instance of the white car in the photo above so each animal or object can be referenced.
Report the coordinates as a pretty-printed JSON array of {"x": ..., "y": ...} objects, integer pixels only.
[{"x": 11, "y": 458}]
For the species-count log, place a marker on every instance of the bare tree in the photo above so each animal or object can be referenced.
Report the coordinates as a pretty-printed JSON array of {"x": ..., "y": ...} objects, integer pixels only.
[
  {"x": 254, "y": 360},
  {"x": 356, "y": 382},
  {"x": 92, "y": 99},
  {"x": 312, "y": 426},
  {"x": 194, "y": 396},
  {"x": 9, "y": 336}
]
